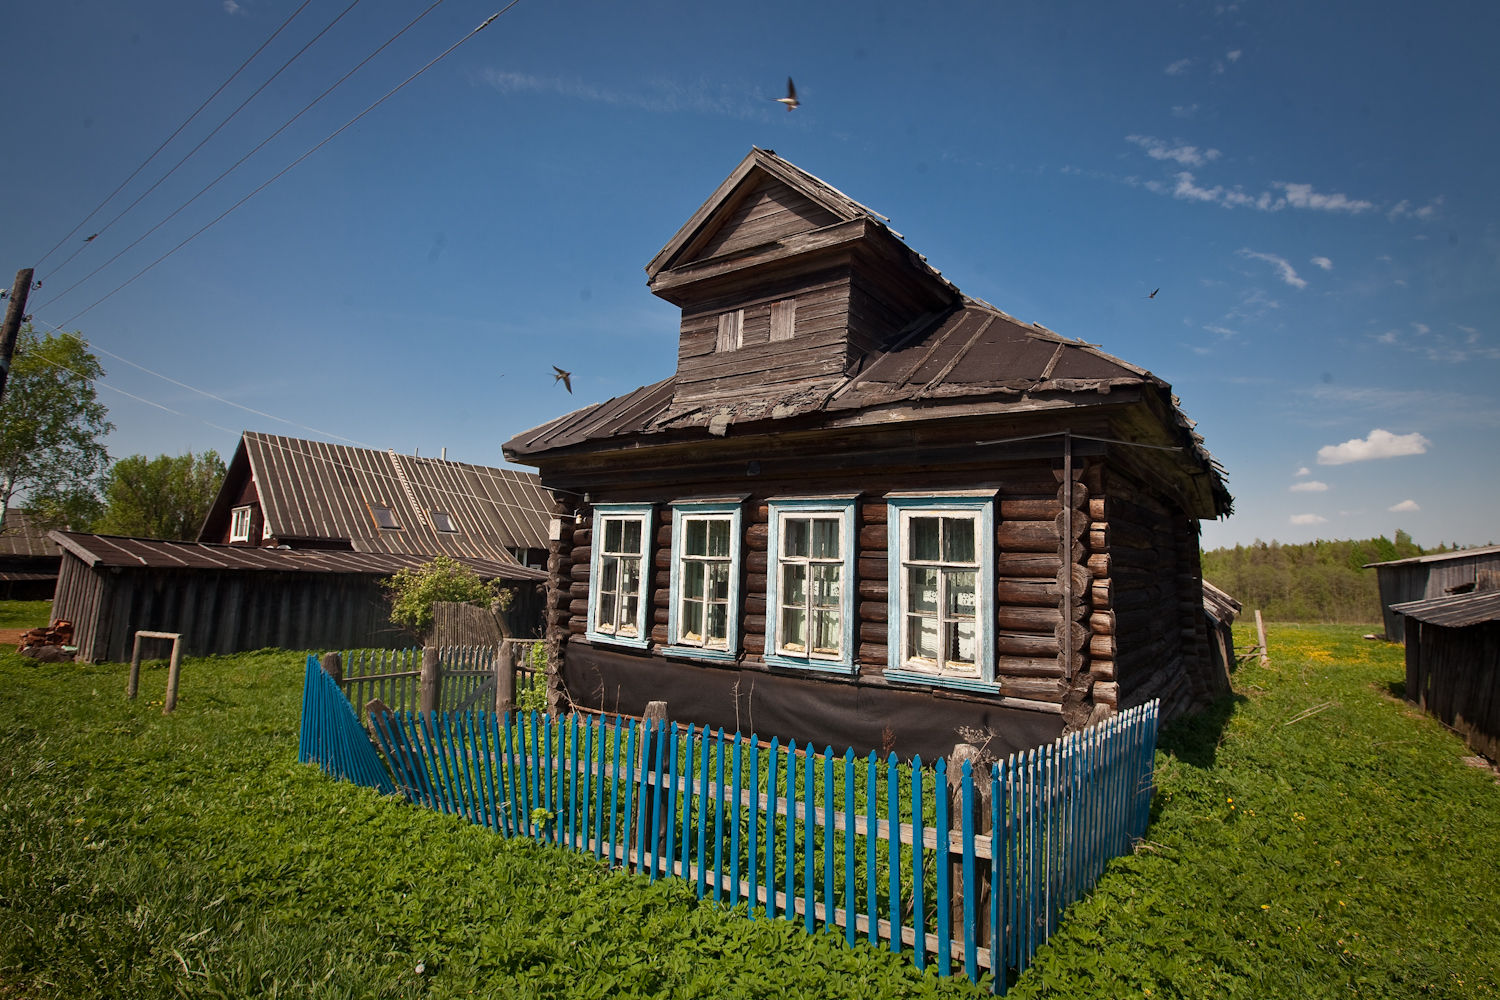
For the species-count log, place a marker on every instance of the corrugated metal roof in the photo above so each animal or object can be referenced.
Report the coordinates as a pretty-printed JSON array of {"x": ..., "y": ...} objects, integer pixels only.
[
  {"x": 20, "y": 537},
  {"x": 1483, "y": 550},
  {"x": 110, "y": 550},
  {"x": 317, "y": 490},
  {"x": 1455, "y": 611}
]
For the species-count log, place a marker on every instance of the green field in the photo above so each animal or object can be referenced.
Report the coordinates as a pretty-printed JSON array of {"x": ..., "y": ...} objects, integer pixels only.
[{"x": 1315, "y": 837}]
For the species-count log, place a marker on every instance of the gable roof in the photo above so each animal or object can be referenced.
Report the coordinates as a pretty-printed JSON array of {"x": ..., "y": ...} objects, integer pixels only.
[
  {"x": 19, "y": 536},
  {"x": 1454, "y": 611},
  {"x": 316, "y": 491}
]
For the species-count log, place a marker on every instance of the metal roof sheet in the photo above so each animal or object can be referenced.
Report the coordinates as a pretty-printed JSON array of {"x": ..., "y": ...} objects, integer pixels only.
[
  {"x": 20, "y": 537},
  {"x": 1482, "y": 550},
  {"x": 114, "y": 551},
  {"x": 1455, "y": 611}
]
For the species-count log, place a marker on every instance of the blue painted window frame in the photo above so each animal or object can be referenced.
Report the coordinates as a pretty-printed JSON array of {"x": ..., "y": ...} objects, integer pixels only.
[
  {"x": 733, "y": 511},
  {"x": 982, "y": 506},
  {"x": 842, "y": 507},
  {"x": 643, "y": 512}
]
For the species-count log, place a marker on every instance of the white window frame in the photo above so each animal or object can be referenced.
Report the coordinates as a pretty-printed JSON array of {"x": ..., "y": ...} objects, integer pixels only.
[
  {"x": 842, "y": 509},
  {"x": 713, "y": 510},
  {"x": 643, "y": 515},
  {"x": 240, "y": 519},
  {"x": 900, "y": 509}
]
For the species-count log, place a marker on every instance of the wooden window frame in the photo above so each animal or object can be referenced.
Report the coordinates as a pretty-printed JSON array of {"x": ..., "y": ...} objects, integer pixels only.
[
  {"x": 441, "y": 517},
  {"x": 731, "y": 332},
  {"x": 900, "y": 509},
  {"x": 783, "y": 320},
  {"x": 843, "y": 510},
  {"x": 683, "y": 512},
  {"x": 643, "y": 515},
  {"x": 239, "y": 532},
  {"x": 374, "y": 507}
]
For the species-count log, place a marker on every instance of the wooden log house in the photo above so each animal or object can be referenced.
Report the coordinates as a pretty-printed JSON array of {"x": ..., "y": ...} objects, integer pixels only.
[{"x": 867, "y": 509}]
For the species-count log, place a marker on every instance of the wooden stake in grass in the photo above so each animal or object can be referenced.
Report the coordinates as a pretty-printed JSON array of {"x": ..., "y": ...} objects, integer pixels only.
[{"x": 1260, "y": 632}]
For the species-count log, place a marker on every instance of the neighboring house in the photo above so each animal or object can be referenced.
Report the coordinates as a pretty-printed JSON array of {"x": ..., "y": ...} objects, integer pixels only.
[
  {"x": 28, "y": 559},
  {"x": 844, "y": 516},
  {"x": 1453, "y": 662},
  {"x": 1424, "y": 577},
  {"x": 294, "y": 549}
]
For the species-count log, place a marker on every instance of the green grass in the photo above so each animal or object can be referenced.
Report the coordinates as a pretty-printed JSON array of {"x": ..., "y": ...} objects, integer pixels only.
[
  {"x": 144, "y": 855},
  {"x": 25, "y": 614}
]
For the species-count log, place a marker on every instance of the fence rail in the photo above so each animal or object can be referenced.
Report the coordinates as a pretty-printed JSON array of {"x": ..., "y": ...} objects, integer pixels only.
[
  {"x": 969, "y": 871},
  {"x": 466, "y": 675}
]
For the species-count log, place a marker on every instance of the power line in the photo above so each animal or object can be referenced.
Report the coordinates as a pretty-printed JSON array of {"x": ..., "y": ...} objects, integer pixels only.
[
  {"x": 331, "y": 136},
  {"x": 204, "y": 141},
  {"x": 186, "y": 121}
]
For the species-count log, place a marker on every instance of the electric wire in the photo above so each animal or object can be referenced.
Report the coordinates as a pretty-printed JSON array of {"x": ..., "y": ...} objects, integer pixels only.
[
  {"x": 175, "y": 132},
  {"x": 204, "y": 141},
  {"x": 277, "y": 176}
]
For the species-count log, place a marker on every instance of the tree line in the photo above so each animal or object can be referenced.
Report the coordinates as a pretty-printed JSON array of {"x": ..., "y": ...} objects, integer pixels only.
[
  {"x": 1320, "y": 581},
  {"x": 54, "y": 464}
]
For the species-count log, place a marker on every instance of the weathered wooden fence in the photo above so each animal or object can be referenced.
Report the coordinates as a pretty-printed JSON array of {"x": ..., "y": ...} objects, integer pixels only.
[
  {"x": 891, "y": 853},
  {"x": 456, "y": 677},
  {"x": 332, "y": 737}
]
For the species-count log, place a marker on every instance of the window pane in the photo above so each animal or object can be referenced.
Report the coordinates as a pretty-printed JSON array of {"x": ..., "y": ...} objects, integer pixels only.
[
  {"x": 612, "y": 534},
  {"x": 718, "y": 625},
  {"x": 827, "y": 633},
  {"x": 794, "y": 536},
  {"x": 718, "y": 538},
  {"x": 921, "y": 638},
  {"x": 692, "y": 579},
  {"x": 961, "y": 644},
  {"x": 630, "y": 576},
  {"x": 606, "y": 619},
  {"x": 793, "y": 630},
  {"x": 718, "y": 581},
  {"x": 630, "y": 608},
  {"x": 695, "y": 542},
  {"x": 825, "y": 538},
  {"x": 794, "y": 584},
  {"x": 826, "y": 587},
  {"x": 631, "y": 543},
  {"x": 960, "y": 594},
  {"x": 692, "y": 621},
  {"x": 958, "y": 539},
  {"x": 609, "y": 574},
  {"x": 923, "y": 540},
  {"x": 922, "y": 589}
]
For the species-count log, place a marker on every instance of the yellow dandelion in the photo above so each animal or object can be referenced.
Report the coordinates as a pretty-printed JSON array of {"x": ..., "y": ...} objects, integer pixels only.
[{"x": 1265, "y": 906}]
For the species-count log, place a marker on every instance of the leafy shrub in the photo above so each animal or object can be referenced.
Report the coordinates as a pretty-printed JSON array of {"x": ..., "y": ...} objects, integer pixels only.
[{"x": 415, "y": 591}]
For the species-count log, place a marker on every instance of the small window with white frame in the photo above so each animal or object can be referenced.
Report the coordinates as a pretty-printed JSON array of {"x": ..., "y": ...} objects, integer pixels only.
[
  {"x": 810, "y": 584},
  {"x": 239, "y": 524},
  {"x": 941, "y": 553},
  {"x": 617, "y": 574},
  {"x": 703, "y": 619}
]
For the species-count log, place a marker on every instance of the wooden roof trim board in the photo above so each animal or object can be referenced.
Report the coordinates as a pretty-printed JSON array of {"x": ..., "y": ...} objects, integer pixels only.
[
  {"x": 1455, "y": 611},
  {"x": 1482, "y": 550}
]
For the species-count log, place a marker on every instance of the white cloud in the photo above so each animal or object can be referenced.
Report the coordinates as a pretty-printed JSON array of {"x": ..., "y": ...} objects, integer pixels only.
[
  {"x": 1284, "y": 268},
  {"x": 1178, "y": 68},
  {"x": 1184, "y": 110},
  {"x": 1160, "y": 149},
  {"x": 1311, "y": 486},
  {"x": 1303, "y": 196},
  {"x": 1324, "y": 263},
  {"x": 1304, "y": 471},
  {"x": 1189, "y": 191},
  {"x": 1234, "y": 55},
  {"x": 1378, "y": 444},
  {"x": 1308, "y": 519},
  {"x": 666, "y": 97},
  {"x": 230, "y": 7},
  {"x": 1402, "y": 210},
  {"x": 1389, "y": 337},
  {"x": 1404, "y": 506},
  {"x": 1222, "y": 331}
]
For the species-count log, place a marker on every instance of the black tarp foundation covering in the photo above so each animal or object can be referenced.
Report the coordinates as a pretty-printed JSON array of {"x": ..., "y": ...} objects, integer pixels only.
[{"x": 865, "y": 716}]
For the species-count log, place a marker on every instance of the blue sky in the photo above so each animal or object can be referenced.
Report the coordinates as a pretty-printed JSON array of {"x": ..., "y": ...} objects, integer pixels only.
[{"x": 1311, "y": 186}]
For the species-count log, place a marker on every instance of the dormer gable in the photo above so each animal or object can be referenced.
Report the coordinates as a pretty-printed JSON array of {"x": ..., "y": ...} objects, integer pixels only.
[{"x": 784, "y": 279}]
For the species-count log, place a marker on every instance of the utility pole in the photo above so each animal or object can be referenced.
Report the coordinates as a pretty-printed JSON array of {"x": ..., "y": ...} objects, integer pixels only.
[{"x": 12, "y": 327}]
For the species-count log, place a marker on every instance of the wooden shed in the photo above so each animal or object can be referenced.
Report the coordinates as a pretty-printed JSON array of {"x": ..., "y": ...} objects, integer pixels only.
[
  {"x": 868, "y": 509},
  {"x": 1419, "y": 578},
  {"x": 228, "y": 599},
  {"x": 1453, "y": 663},
  {"x": 28, "y": 559}
]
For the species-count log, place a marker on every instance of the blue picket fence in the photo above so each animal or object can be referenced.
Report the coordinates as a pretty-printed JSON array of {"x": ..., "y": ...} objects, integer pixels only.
[
  {"x": 332, "y": 737},
  {"x": 969, "y": 872}
]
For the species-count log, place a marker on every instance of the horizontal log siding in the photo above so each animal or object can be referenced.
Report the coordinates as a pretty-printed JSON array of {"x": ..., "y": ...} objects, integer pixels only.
[{"x": 771, "y": 211}]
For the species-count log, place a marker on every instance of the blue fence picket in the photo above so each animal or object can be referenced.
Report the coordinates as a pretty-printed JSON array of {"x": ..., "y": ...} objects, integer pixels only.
[
  {"x": 918, "y": 911},
  {"x": 771, "y": 813}
]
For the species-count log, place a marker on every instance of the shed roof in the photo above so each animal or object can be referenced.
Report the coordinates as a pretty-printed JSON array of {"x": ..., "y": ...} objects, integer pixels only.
[
  {"x": 21, "y": 537},
  {"x": 136, "y": 553},
  {"x": 1483, "y": 550},
  {"x": 315, "y": 490},
  {"x": 1455, "y": 611}
]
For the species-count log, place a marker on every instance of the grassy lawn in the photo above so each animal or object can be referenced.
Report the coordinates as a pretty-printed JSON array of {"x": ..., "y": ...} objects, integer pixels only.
[
  {"x": 25, "y": 614},
  {"x": 1313, "y": 838}
]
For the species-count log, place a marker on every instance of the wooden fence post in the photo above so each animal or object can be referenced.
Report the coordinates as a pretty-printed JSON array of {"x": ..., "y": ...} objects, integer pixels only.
[
  {"x": 430, "y": 687},
  {"x": 1260, "y": 632},
  {"x": 173, "y": 672},
  {"x": 333, "y": 666},
  {"x": 979, "y": 818},
  {"x": 655, "y": 715},
  {"x": 133, "y": 685},
  {"x": 505, "y": 679}
]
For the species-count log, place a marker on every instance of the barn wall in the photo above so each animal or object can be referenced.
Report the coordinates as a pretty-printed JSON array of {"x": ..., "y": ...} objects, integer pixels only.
[
  {"x": 1418, "y": 581},
  {"x": 1454, "y": 675}
]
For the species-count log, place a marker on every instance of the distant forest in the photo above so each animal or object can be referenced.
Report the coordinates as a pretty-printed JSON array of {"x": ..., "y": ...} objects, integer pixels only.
[{"x": 1318, "y": 582}]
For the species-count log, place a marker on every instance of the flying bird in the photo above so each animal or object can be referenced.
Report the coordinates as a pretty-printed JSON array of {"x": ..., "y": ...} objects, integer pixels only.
[
  {"x": 1153, "y": 293},
  {"x": 90, "y": 239},
  {"x": 790, "y": 100},
  {"x": 566, "y": 378}
]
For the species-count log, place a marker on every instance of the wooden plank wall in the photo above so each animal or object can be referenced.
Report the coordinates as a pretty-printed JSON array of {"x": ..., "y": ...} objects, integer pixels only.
[{"x": 1454, "y": 675}]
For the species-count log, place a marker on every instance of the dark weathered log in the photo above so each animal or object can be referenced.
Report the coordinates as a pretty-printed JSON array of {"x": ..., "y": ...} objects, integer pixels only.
[
  {"x": 1102, "y": 669},
  {"x": 873, "y": 589},
  {"x": 872, "y": 654},
  {"x": 756, "y": 562},
  {"x": 1035, "y": 688},
  {"x": 1071, "y": 521},
  {"x": 873, "y": 611},
  {"x": 1028, "y": 666},
  {"x": 757, "y": 536},
  {"x": 1102, "y": 647},
  {"x": 579, "y": 608},
  {"x": 1027, "y": 536},
  {"x": 579, "y": 571},
  {"x": 1031, "y": 593},
  {"x": 1102, "y": 622},
  {"x": 1027, "y": 619},
  {"x": 1098, "y": 510},
  {"x": 873, "y": 536},
  {"x": 872, "y": 512},
  {"x": 1099, "y": 563},
  {"x": 1024, "y": 644},
  {"x": 1029, "y": 510},
  {"x": 1107, "y": 693},
  {"x": 1082, "y": 579},
  {"x": 1074, "y": 632},
  {"x": 1024, "y": 564}
]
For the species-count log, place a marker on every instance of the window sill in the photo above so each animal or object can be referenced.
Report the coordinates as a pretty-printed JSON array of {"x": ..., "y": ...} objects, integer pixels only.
[
  {"x": 615, "y": 640},
  {"x": 813, "y": 666},
  {"x": 905, "y": 676},
  {"x": 699, "y": 653}
]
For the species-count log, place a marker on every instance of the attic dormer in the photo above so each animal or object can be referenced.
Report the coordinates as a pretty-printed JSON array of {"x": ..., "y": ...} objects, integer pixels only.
[{"x": 783, "y": 279}]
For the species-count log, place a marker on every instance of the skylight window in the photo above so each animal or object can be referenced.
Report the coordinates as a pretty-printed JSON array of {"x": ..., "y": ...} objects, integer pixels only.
[
  {"x": 442, "y": 521},
  {"x": 385, "y": 517}
]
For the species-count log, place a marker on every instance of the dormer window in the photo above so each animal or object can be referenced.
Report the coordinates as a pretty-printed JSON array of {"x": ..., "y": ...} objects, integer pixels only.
[
  {"x": 731, "y": 331},
  {"x": 783, "y": 319},
  {"x": 239, "y": 525},
  {"x": 384, "y": 517},
  {"x": 442, "y": 521}
]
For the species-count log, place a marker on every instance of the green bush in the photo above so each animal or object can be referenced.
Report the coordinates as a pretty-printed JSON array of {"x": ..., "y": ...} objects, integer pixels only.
[{"x": 415, "y": 591}]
